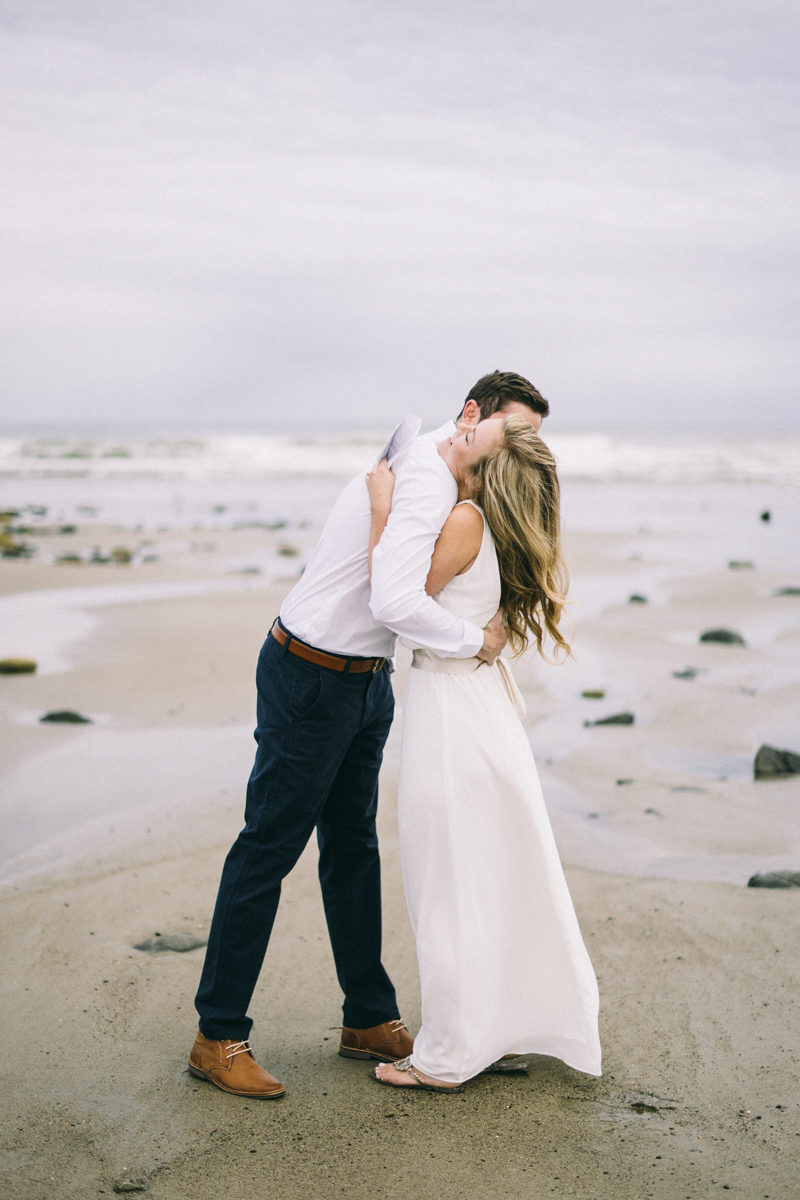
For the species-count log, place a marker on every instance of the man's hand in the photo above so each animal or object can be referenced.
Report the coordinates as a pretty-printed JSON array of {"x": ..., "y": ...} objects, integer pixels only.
[{"x": 494, "y": 638}]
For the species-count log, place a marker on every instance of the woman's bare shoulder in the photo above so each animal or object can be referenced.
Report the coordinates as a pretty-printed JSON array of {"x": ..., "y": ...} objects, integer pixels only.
[
  {"x": 464, "y": 521},
  {"x": 456, "y": 548}
]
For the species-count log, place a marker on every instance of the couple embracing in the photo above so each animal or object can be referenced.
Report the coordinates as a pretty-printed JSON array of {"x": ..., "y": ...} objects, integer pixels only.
[{"x": 452, "y": 544}]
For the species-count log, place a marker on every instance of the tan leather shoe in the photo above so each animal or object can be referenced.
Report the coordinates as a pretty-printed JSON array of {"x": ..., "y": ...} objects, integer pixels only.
[
  {"x": 231, "y": 1066},
  {"x": 387, "y": 1043}
]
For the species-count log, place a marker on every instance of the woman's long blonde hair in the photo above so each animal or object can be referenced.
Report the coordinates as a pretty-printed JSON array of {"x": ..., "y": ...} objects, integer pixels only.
[{"x": 516, "y": 485}]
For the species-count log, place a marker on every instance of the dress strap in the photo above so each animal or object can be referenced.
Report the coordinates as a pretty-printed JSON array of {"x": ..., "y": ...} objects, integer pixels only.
[
  {"x": 479, "y": 510},
  {"x": 510, "y": 684},
  {"x": 474, "y": 505}
]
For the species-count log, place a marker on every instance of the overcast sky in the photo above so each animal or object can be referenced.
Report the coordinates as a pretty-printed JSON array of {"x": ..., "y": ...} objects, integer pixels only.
[{"x": 247, "y": 213}]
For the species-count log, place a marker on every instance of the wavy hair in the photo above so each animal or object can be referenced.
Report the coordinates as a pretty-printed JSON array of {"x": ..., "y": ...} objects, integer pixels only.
[{"x": 516, "y": 485}]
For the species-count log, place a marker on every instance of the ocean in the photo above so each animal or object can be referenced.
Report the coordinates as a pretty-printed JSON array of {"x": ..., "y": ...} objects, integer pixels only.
[{"x": 667, "y": 484}]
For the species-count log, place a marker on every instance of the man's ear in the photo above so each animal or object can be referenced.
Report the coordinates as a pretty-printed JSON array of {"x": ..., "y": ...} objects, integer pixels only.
[{"x": 470, "y": 414}]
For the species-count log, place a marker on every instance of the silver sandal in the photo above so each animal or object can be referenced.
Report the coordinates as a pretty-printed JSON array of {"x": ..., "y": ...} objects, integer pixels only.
[{"x": 404, "y": 1064}]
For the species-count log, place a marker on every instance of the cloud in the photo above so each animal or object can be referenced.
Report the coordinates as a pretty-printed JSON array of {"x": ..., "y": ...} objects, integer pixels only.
[{"x": 338, "y": 213}]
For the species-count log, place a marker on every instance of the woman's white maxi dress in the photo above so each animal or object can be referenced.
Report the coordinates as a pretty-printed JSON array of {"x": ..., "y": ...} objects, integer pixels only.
[{"x": 502, "y": 963}]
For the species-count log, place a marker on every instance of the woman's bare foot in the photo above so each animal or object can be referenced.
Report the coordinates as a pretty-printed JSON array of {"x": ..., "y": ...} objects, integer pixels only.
[{"x": 388, "y": 1073}]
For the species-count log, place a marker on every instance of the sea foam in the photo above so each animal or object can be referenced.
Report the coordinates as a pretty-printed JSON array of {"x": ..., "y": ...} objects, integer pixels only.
[{"x": 654, "y": 457}]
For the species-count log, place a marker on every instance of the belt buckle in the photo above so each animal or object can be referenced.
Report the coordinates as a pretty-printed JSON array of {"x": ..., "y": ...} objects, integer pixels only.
[{"x": 377, "y": 665}]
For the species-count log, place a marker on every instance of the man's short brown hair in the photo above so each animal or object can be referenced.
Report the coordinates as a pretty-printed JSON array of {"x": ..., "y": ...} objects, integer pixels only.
[{"x": 492, "y": 393}]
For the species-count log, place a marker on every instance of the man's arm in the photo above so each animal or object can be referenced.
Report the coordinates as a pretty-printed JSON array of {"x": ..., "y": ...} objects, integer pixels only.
[{"x": 423, "y": 499}]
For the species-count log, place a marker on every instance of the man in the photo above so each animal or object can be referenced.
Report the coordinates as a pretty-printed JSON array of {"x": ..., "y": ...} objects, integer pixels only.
[{"x": 325, "y": 706}]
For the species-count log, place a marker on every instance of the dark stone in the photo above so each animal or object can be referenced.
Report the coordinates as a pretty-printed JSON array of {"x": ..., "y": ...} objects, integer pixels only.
[
  {"x": 726, "y": 636},
  {"x": 688, "y": 673},
  {"x": 181, "y": 942},
  {"x": 44, "y": 530},
  {"x": 775, "y": 879},
  {"x": 127, "y": 1184},
  {"x": 787, "y": 591},
  {"x": 636, "y": 599},
  {"x": 17, "y": 666},
  {"x": 771, "y": 763},
  {"x": 11, "y": 548},
  {"x": 64, "y": 716},
  {"x": 766, "y": 515},
  {"x": 617, "y": 719}
]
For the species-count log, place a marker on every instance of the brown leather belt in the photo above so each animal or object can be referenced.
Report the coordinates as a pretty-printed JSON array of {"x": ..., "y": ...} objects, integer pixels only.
[{"x": 334, "y": 662}]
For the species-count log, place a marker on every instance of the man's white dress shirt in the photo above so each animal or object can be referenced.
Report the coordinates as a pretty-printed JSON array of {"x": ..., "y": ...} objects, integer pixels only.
[{"x": 333, "y": 607}]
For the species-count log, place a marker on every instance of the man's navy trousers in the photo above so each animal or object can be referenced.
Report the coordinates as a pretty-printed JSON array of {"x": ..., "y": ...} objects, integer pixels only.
[{"x": 320, "y": 738}]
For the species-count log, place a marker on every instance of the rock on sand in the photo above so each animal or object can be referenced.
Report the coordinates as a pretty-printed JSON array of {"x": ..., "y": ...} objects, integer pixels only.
[
  {"x": 726, "y": 636},
  {"x": 617, "y": 719},
  {"x": 171, "y": 941},
  {"x": 17, "y": 666},
  {"x": 126, "y": 1185},
  {"x": 775, "y": 879},
  {"x": 64, "y": 716},
  {"x": 771, "y": 763}
]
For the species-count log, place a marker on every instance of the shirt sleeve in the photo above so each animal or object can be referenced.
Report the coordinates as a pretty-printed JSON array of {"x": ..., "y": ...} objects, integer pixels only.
[{"x": 422, "y": 501}]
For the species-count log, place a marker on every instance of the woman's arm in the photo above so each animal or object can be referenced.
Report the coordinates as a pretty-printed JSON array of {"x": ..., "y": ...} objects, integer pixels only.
[
  {"x": 456, "y": 548},
  {"x": 380, "y": 485}
]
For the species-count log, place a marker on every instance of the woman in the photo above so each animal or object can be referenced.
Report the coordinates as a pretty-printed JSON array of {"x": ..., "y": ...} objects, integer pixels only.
[{"x": 503, "y": 968}]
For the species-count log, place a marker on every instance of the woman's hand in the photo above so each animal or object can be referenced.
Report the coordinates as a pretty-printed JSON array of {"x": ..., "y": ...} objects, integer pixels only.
[{"x": 380, "y": 484}]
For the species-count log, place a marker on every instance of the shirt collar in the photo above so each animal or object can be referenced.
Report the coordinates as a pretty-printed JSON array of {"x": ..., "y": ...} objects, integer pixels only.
[{"x": 446, "y": 430}]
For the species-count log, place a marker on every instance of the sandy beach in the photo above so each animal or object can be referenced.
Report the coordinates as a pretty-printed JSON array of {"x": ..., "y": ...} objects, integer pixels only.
[
  {"x": 248, "y": 246},
  {"x": 117, "y": 830}
]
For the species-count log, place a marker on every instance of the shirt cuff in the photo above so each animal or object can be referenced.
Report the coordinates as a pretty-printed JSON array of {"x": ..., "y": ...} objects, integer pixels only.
[{"x": 471, "y": 644}]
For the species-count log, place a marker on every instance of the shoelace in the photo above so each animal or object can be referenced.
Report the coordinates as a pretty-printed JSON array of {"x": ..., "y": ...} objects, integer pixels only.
[
  {"x": 238, "y": 1048},
  {"x": 396, "y": 1026}
]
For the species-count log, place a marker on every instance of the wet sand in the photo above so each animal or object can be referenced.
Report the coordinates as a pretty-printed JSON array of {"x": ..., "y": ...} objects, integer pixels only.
[{"x": 122, "y": 827}]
